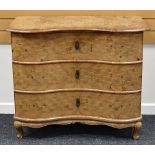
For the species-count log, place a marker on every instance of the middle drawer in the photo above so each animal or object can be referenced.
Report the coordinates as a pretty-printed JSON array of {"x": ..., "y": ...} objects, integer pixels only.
[{"x": 77, "y": 75}]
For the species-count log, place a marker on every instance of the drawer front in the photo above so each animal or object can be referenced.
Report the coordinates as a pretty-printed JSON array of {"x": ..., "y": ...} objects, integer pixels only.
[
  {"x": 77, "y": 45},
  {"x": 77, "y": 75},
  {"x": 115, "y": 106}
]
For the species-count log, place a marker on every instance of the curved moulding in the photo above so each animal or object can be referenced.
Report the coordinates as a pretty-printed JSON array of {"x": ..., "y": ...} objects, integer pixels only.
[
  {"x": 70, "y": 30},
  {"x": 78, "y": 118},
  {"x": 77, "y": 90},
  {"x": 77, "y": 61}
]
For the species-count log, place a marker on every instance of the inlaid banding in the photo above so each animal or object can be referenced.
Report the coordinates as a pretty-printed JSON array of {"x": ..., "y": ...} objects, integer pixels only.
[
  {"x": 77, "y": 61},
  {"x": 75, "y": 90}
]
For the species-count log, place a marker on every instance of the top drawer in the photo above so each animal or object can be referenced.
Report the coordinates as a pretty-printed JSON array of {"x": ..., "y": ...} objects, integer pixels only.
[{"x": 77, "y": 45}]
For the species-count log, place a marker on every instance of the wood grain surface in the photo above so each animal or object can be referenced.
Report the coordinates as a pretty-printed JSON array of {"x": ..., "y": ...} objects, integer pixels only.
[
  {"x": 34, "y": 24},
  {"x": 14, "y": 13},
  {"x": 106, "y": 46},
  {"x": 86, "y": 76},
  {"x": 114, "y": 106},
  {"x": 92, "y": 75}
]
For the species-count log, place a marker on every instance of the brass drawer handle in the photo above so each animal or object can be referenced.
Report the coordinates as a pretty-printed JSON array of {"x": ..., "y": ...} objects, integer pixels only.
[
  {"x": 77, "y": 45},
  {"x": 77, "y": 74},
  {"x": 77, "y": 102}
]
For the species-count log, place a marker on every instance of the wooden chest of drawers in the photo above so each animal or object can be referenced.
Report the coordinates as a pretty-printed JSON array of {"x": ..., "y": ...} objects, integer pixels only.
[{"x": 77, "y": 69}]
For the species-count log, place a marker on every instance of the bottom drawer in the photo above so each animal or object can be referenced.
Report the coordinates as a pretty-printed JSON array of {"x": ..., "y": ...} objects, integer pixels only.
[{"x": 98, "y": 104}]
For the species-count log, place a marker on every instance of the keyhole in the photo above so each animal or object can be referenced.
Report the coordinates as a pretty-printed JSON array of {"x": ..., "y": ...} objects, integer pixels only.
[
  {"x": 77, "y": 102},
  {"x": 77, "y": 45},
  {"x": 77, "y": 74}
]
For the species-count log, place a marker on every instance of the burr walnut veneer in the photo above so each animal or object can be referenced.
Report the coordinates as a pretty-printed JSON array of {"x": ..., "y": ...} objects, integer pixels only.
[{"x": 77, "y": 69}]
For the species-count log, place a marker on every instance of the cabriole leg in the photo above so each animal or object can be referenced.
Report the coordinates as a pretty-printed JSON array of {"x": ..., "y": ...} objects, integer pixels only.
[
  {"x": 136, "y": 130},
  {"x": 19, "y": 129}
]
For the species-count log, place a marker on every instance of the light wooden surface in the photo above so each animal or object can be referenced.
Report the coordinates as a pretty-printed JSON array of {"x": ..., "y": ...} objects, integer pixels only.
[
  {"x": 7, "y": 16},
  {"x": 5, "y": 37},
  {"x": 98, "y": 85},
  {"x": 15, "y": 13},
  {"x": 92, "y": 75},
  {"x": 93, "y": 45},
  {"x": 105, "y": 105},
  {"x": 106, "y": 88},
  {"x": 35, "y": 24},
  {"x": 98, "y": 71}
]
